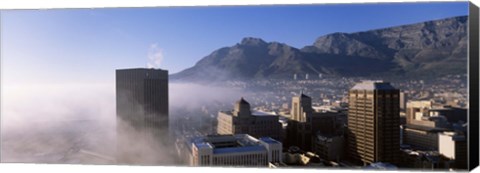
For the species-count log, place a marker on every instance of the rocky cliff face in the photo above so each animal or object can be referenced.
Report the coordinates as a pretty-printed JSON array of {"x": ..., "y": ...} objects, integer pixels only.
[{"x": 424, "y": 49}]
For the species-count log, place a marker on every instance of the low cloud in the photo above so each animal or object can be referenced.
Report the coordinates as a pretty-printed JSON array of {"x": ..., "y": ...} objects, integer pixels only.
[
  {"x": 58, "y": 124},
  {"x": 77, "y": 123},
  {"x": 192, "y": 95}
]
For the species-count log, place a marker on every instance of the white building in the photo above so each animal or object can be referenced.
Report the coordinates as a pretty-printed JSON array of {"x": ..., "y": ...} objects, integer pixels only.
[
  {"x": 234, "y": 150},
  {"x": 454, "y": 147}
]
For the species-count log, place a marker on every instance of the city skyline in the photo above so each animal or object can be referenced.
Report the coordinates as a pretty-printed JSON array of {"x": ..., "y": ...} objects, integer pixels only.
[{"x": 99, "y": 78}]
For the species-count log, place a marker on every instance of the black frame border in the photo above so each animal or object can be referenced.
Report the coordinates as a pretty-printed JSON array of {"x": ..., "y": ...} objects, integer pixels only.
[{"x": 473, "y": 74}]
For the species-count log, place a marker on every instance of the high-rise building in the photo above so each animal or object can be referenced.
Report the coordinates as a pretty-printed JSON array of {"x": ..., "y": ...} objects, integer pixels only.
[
  {"x": 301, "y": 107},
  {"x": 305, "y": 123},
  {"x": 234, "y": 150},
  {"x": 374, "y": 122},
  {"x": 142, "y": 111},
  {"x": 243, "y": 121}
]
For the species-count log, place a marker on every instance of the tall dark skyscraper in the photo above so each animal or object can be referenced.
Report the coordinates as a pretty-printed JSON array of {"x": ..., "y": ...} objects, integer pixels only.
[
  {"x": 142, "y": 112},
  {"x": 373, "y": 122}
]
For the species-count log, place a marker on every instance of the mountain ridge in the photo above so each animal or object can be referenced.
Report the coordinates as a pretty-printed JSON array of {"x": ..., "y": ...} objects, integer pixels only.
[{"x": 427, "y": 49}]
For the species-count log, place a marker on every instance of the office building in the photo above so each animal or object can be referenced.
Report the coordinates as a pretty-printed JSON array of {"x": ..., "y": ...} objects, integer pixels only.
[
  {"x": 329, "y": 147},
  {"x": 373, "y": 123},
  {"x": 422, "y": 131},
  {"x": 234, "y": 150},
  {"x": 454, "y": 147},
  {"x": 416, "y": 109},
  {"x": 421, "y": 137},
  {"x": 305, "y": 123},
  {"x": 142, "y": 111},
  {"x": 243, "y": 121},
  {"x": 403, "y": 101},
  {"x": 425, "y": 160},
  {"x": 452, "y": 114},
  {"x": 425, "y": 121}
]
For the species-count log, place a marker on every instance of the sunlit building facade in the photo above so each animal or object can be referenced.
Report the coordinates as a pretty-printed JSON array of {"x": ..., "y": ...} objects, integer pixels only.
[
  {"x": 234, "y": 150},
  {"x": 243, "y": 121},
  {"x": 374, "y": 122}
]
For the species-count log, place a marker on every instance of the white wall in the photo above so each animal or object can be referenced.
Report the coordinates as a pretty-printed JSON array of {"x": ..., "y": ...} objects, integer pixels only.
[{"x": 446, "y": 146}]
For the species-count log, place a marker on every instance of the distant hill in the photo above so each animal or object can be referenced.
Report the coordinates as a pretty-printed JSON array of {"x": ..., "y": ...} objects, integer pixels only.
[{"x": 426, "y": 49}]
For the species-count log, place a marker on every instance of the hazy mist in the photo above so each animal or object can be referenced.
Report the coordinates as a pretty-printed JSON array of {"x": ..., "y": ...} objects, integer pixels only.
[{"x": 76, "y": 123}]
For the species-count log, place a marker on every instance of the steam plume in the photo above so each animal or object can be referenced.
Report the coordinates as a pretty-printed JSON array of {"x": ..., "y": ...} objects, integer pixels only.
[{"x": 155, "y": 56}]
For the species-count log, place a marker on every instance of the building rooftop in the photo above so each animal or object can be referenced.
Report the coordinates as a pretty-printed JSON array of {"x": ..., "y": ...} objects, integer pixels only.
[
  {"x": 455, "y": 136},
  {"x": 373, "y": 85},
  {"x": 440, "y": 109},
  {"x": 261, "y": 113},
  {"x": 254, "y": 113},
  {"x": 269, "y": 140},
  {"x": 142, "y": 73},
  {"x": 327, "y": 136},
  {"x": 203, "y": 145},
  {"x": 238, "y": 149},
  {"x": 425, "y": 128},
  {"x": 304, "y": 96},
  {"x": 140, "y": 69},
  {"x": 222, "y": 144},
  {"x": 242, "y": 101},
  {"x": 381, "y": 165}
]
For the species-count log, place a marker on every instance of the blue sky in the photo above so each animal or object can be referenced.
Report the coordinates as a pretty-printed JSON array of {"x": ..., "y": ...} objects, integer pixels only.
[{"x": 87, "y": 45}]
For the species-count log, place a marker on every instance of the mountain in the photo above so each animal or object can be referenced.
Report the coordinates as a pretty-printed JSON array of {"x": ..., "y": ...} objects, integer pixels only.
[
  {"x": 251, "y": 58},
  {"x": 426, "y": 49}
]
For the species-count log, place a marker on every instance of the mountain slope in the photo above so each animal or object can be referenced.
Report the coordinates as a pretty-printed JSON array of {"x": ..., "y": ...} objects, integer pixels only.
[
  {"x": 424, "y": 49},
  {"x": 251, "y": 58},
  {"x": 416, "y": 49}
]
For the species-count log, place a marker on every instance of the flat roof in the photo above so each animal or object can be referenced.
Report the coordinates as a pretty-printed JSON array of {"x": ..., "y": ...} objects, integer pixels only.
[
  {"x": 254, "y": 148},
  {"x": 254, "y": 113},
  {"x": 440, "y": 109},
  {"x": 202, "y": 145},
  {"x": 141, "y": 68},
  {"x": 382, "y": 165},
  {"x": 455, "y": 136},
  {"x": 425, "y": 128},
  {"x": 269, "y": 140},
  {"x": 327, "y": 135},
  {"x": 245, "y": 143},
  {"x": 261, "y": 113},
  {"x": 373, "y": 85}
]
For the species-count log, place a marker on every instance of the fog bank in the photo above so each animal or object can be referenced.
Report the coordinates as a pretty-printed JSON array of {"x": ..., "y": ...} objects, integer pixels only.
[{"x": 76, "y": 123}]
